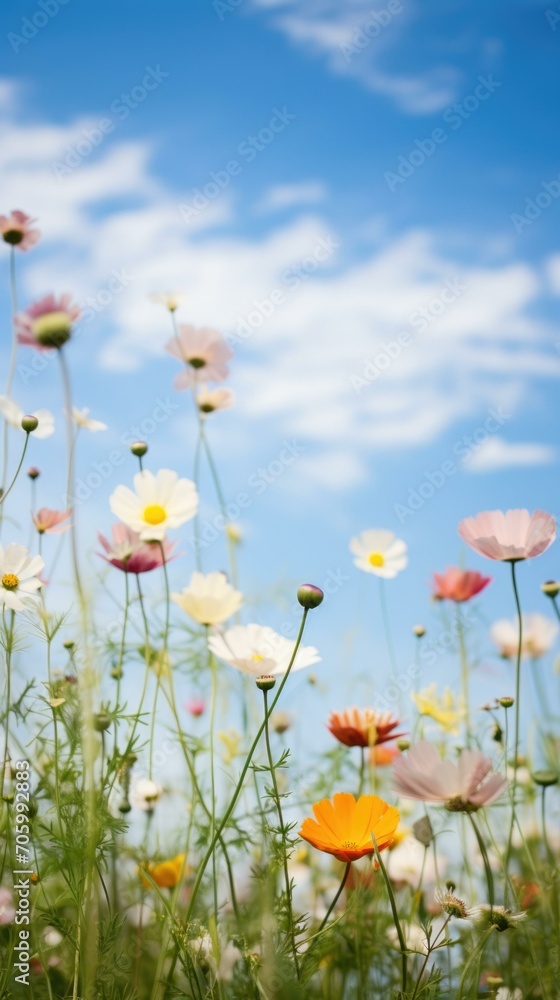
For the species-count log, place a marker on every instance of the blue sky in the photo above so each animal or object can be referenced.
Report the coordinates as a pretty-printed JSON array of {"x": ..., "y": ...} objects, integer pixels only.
[{"x": 348, "y": 111}]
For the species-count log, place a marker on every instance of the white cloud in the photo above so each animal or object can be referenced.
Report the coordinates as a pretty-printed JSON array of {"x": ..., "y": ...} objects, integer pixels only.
[
  {"x": 288, "y": 195},
  {"x": 338, "y": 322},
  {"x": 358, "y": 38},
  {"x": 497, "y": 453}
]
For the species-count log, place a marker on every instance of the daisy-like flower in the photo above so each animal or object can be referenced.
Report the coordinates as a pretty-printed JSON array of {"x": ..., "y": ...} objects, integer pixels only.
[
  {"x": 129, "y": 554},
  {"x": 459, "y": 585},
  {"x": 82, "y": 419},
  {"x": 17, "y": 230},
  {"x": 462, "y": 787},
  {"x": 145, "y": 794},
  {"x": 497, "y": 916},
  {"x": 204, "y": 351},
  {"x": 380, "y": 552},
  {"x": 48, "y": 323},
  {"x": 409, "y": 859},
  {"x": 209, "y": 598},
  {"x": 195, "y": 707},
  {"x": 19, "y": 577},
  {"x": 166, "y": 874},
  {"x": 344, "y": 827},
  {"x": 209, "y": 400},
  {"x": 13, "y": 415},
  {"x": 446, "y": 710},
  {"x": 363, "y": 727},
  {"x": 171, "y": 300},
  {"x": 157, "y": 503},
  {"x": 538, "y": 636},
  {"x": 259, "y": 651},
  {"x": 509, "y": 536},
  {"x": 51, "y": 522}
]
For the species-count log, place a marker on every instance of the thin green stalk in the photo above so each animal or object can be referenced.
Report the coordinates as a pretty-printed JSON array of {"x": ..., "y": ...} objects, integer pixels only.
[
  {"x": 70, "y": 485},
  {"x": 9, "y": 648},
  {"x": 464, "y": 673},
  {"x": 18, "y": 470},
  {"x": 485, "y": 859},
  {"x": 394, "y": 911},
  {"x": 431, "y": 949},
  {"x": 517, "y": 711},
  {"x": 278, "y": 803},
  {"x": 204, "y": 863}
]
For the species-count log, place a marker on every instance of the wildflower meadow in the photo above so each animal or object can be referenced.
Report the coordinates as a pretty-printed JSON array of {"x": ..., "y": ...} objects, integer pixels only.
[{"x": 161, "y": 834}]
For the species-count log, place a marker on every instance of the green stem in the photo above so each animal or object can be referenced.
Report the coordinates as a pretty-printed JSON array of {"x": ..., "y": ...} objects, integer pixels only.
[
  {"x": 394, "y": 911},
  {"x": 9, "y": 647},
  {"x": 464, "y": 673},
  {"x": 485, "y": 859},
  {"x": 18, "y": 470},
  {"x": 517, "y": 712},
  {"x": 278, "y": 803},
  {"x": 70, "y": 486},
  {"x": 204, "y": 863}
]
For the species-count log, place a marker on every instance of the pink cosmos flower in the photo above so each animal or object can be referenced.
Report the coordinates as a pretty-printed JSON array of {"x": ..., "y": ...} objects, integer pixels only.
[
  {"x": 509, "y": 537},
  {"x": 204, "y": 351},
  {"x": 195, "y": 707},
  {"x": 17, "y": 230},
  {"x": 50, "y": 522},
  {"x": 209, "y": 400},
  {"x": 131, "y": 555},
  {"x": 459, "y": 585},
  {"x": 47, "y": 323},
  {"x": 7, "y": 908},
  {"x": 467, "y": 785}
]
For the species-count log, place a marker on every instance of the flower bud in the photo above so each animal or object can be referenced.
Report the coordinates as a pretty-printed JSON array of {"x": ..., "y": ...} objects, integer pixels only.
[
  {"x": 69, "y": 644},
  {"x": 419, "y": 631},
  {"x": 551, "y": 588},
  {"x": 33, "y": 473},
  {"x": 309, "y": 596},
  {"x": 29, "y": 423},
  {"x": 403, "y": 745},
  {"x": 101, "y": 721},
  {"x": 139, "y": 448},
  {"x": 497, "y": 733},
  {"x": 234, "y": 533},
  {"x": 507, "y": 701},
  {"x": 116, "y": 673},
  {"x": 266, "y": 682},
  {"x": 545, "y": 778},
  {"x": 280, "y": 722}
]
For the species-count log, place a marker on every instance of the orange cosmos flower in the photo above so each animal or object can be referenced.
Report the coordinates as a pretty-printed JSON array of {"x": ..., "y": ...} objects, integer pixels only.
[
  {"x": 166, "y": 874},
  {"x": 363, "y": 727},
  {"x": 344, "y": 827},
  {"x": 383, "y": 756}
]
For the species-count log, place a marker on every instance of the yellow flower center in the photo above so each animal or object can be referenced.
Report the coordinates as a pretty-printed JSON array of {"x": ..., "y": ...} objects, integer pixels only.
[
  {"x": 257, "y": 657},
  {"x": 154, "y": 514},
  {"x": 53, "y": 329},
  {"x": 10, "y": 581},
  {"x": 377, "y": 559},
  {"x": 350, "y": 845}
]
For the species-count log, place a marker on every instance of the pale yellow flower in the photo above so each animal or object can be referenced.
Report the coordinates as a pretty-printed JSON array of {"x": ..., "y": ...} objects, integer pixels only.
[
  {"x": 232, "y": 742},
  {"x": 446, "y": 710}
]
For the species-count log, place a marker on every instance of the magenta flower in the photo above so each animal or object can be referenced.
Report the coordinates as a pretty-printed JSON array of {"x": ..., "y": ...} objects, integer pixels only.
[
  {"x": 509, "y": 537},
  {"x": 459, "y": 585},
  {"x": 129, "y": 554},
  {"x": 47, "y": 323},
  {"x": 50, "y": 522},
  {"x": 17, "y": 230},
  {"x": 462, "y": 787},
  {"x": 204, "y": 351}
]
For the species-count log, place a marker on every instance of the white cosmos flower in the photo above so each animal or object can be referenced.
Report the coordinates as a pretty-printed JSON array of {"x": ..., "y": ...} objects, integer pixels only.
[
  {"x": 145, "y": 793},
  {"x": 171, "y": 300},
  {"x": 259, "y": 651},
  {"x": 157, "y": 503},
  {"x": 209, "y": 598},
  {"x": 380, "y": 552},
  {"x": 81, "y": 419},
  {"x": 19, "y": 577},
  {"x": 209, "y": 400},
  {"x": 13, "y": 414},
  {"x": 539, "y": 635}
]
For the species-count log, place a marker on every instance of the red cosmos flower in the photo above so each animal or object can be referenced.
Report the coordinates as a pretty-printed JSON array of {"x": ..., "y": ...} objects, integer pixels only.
[
  {"x": 130, "y": 555},
  {"x": 459, "y": 585},
  {"x": 363, "y": 727}
]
